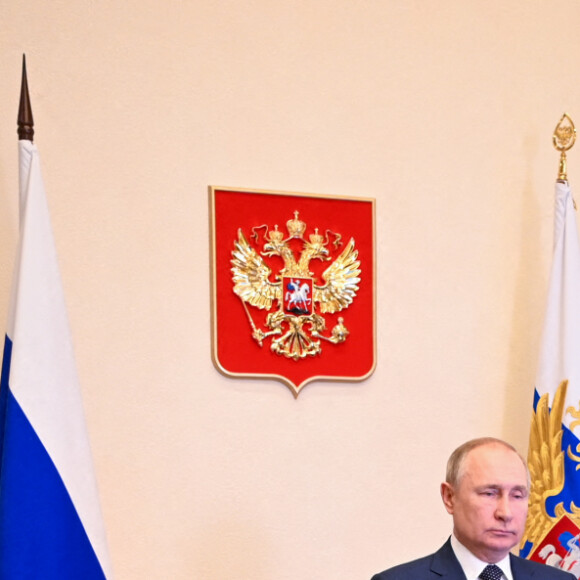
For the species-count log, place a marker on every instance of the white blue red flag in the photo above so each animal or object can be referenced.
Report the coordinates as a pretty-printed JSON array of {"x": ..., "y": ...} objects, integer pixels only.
[
  {"x": 553, "y": 527},
  {"x": 50, "y": 520}
]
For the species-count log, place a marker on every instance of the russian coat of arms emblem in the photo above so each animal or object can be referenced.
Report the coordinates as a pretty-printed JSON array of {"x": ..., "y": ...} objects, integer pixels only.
[
  {"x": 552, "y": 533},
  {"x": 293, "y": 286}
]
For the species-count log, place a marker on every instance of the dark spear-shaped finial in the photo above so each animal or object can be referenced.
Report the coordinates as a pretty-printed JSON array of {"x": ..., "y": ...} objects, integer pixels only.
[{"x": 25, "y": 120}]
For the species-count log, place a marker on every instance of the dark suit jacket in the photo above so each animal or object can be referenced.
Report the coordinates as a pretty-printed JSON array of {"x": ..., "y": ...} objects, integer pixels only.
[{"x": 444, "y": 564}]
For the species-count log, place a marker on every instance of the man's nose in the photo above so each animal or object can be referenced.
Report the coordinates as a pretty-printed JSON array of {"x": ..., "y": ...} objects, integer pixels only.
[{"x": 503, "y": 509}]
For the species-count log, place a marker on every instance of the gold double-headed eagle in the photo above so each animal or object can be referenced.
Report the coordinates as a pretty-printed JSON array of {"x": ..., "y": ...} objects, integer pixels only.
[
  {"x": 546, "y": 464},
  {"x": 296, "y": 336}
]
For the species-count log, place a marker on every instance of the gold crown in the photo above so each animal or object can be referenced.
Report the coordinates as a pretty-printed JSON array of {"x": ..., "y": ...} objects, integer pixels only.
[
  {"x": 316, "y": 238},
  {"x": 296, "y": 227},
  {"x": 275, "y": 235}
]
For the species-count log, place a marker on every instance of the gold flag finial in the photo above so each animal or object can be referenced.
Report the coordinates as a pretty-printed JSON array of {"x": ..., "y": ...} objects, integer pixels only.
[{"x": 564, "y": 138}]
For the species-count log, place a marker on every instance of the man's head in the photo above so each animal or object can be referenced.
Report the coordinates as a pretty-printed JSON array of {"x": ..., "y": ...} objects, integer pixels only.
[{"x": 486, "y": 492}]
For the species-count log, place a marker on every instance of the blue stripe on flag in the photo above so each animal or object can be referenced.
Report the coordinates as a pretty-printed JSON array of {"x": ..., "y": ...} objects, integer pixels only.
[
  {"x": 41, "y": 535},
  {"x": 569, "y": 494}
]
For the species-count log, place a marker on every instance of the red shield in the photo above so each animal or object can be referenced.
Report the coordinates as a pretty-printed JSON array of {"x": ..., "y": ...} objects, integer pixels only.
[
  {"x": 293, "y": 286},
  {"x": 560, "y": 547}
]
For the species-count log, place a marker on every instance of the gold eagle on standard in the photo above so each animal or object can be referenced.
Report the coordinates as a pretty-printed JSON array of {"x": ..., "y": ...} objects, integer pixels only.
[{"x": 547, "y": 475}]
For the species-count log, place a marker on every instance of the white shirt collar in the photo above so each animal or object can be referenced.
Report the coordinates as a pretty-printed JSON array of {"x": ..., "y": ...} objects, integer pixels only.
[{"x": 473, "y": 566}]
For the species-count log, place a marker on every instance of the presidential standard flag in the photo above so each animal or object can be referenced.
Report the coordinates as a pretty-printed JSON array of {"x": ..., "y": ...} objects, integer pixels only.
[
  {"x": 50, "y": 521},
  {"x": 553, "y": 525}
]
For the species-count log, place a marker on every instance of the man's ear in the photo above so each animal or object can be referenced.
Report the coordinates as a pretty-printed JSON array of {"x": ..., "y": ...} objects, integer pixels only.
[{"x": 448, "y": 496}]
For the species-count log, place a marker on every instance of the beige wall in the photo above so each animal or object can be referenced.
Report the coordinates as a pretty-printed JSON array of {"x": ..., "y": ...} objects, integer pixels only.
[{"x": 442, "y": 111}]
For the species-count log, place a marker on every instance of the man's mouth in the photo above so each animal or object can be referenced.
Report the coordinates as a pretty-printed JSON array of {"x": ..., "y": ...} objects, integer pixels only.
[{"x": 501, "y": 532}]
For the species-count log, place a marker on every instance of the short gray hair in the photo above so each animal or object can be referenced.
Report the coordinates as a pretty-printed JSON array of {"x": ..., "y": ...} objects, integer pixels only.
[{"x": 456, "y": 462}]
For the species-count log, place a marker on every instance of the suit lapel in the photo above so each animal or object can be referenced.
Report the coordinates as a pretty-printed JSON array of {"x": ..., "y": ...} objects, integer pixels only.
[
  {"x": 519, "y": 569},
  {"x": 445, "y": 563}
]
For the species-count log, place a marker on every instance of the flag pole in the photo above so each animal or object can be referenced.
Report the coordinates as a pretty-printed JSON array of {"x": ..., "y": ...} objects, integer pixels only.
[
  {"x": 25, "y": 120},
  {"x": 563, "y": 139}
]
